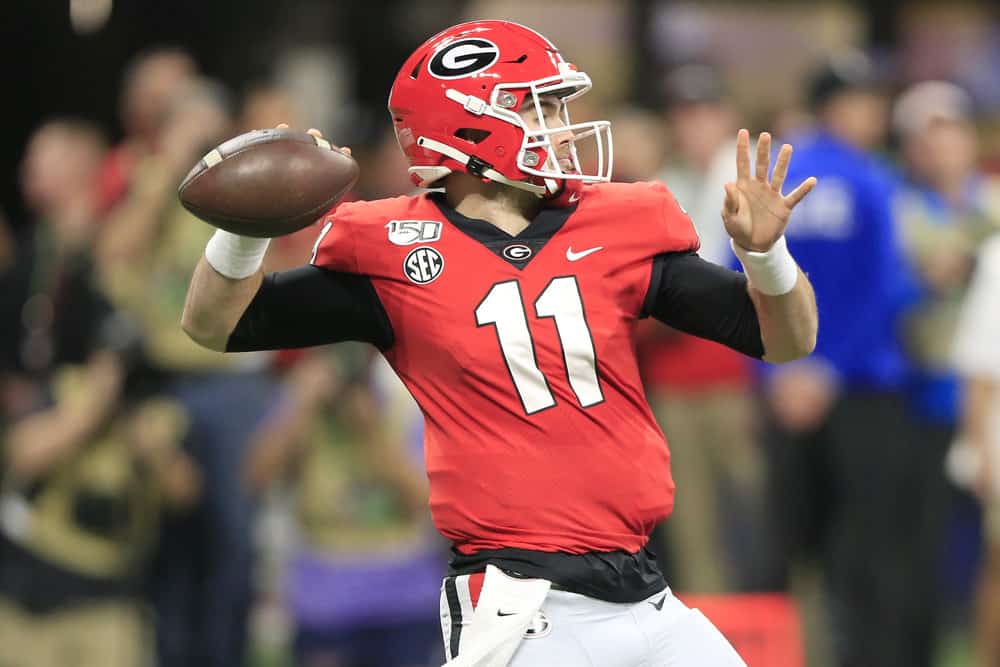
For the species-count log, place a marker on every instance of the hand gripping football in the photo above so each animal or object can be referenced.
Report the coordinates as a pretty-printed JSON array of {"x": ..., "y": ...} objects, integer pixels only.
[{"x": 268, "y": 183}]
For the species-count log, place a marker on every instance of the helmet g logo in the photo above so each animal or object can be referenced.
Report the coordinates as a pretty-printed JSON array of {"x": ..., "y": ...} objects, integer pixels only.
[{"x": 463, "y": 58}]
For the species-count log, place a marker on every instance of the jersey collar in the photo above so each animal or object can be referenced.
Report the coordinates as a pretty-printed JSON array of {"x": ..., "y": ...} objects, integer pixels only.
[{"x": 543, "y": 227}]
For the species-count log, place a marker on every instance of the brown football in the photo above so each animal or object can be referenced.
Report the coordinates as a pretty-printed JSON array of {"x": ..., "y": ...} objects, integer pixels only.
[{"x": 268, "y": 182}]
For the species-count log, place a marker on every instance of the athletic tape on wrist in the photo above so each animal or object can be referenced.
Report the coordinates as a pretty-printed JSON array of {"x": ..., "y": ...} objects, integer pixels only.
[
  {"x": 235, "y": 256},
  {"x": 773, "y": 272}
]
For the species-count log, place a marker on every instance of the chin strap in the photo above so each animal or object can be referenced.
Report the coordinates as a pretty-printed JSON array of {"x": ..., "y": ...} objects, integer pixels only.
[{"x": 478, "y": 167}]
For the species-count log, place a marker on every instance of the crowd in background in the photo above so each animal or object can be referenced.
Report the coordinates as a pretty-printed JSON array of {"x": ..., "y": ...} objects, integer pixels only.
[{"x": 164, "y": 504}]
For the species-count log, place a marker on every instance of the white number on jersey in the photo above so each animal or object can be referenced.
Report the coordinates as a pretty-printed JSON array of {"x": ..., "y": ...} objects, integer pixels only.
[{"x": 560, "y": 300}]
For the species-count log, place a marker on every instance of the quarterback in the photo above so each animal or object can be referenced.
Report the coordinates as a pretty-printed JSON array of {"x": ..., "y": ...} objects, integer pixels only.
[{"x": 506, "y": 300}]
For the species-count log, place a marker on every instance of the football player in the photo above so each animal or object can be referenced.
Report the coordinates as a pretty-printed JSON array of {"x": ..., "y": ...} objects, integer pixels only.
[{"x": 506, "y": 301}]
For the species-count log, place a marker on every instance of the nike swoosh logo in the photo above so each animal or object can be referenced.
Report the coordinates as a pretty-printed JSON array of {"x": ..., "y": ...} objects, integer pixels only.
[
  {"x": 577, "y": 256},
  {"x": 500, "y": 613},
  {"x": 659, "y": 605},
  {"x": 575, "y": 197}
]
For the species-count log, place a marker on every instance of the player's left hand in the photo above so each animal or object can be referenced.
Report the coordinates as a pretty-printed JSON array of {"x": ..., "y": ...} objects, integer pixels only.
[{"x": 755, "y": 212}]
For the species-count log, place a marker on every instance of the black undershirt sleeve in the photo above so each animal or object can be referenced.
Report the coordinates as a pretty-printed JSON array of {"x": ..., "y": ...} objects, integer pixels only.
[
  {"x": 308, "y": 306},
  {"x": 704, "y": 299}
]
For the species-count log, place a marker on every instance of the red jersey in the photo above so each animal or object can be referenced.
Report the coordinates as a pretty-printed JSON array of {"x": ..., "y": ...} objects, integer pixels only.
[{"x": 520, "y": 352}]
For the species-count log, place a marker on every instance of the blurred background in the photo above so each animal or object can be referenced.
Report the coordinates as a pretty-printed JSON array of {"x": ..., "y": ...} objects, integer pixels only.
[{"x": 164, "y": 505}]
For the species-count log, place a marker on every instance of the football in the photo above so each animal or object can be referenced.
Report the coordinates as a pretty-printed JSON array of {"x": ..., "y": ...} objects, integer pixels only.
[{"x": 268, "y": 183}]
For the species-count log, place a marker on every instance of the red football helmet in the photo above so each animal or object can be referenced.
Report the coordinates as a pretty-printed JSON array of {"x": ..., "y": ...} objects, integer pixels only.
[{"x": 455, "y": 106}]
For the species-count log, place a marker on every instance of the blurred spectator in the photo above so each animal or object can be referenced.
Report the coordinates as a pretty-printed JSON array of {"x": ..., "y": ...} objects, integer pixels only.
[
  {"x": 702, "y": 127},
  {"x": 56, "y": 312},
  {"x": 149, "y": 243},
  {"x": 149, "y": 85},
  {"x": 85, "y": 480},
  {"x": 191, "y": 122},
  {"x": 843, "y": 467},
  {"x": 85, "y": 466},
  {"x": 945, "y": 210},
  {"x": 975, "y": 458},
  {"x": 699, "y": 390},
  {"x": 56, "y": 307},
  {"x": 363, "y": 585}
]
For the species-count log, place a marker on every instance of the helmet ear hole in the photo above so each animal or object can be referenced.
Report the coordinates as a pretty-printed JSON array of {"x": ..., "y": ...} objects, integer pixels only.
[{"x": 472, "y": 135}]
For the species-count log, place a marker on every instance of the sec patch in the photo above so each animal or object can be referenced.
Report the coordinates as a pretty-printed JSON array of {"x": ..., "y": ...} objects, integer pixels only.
[{"x": 423, "y": 265}]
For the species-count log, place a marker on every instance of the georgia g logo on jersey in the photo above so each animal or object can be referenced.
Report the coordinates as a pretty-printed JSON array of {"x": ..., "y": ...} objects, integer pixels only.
[
  {"x": 423, "y": 265},
  {"x": 464, "y": 57},
  {"x": 516, "y": 252}
]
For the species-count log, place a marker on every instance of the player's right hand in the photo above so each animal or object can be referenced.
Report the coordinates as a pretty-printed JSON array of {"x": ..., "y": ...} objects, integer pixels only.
[{"x": 316, "y": 133}]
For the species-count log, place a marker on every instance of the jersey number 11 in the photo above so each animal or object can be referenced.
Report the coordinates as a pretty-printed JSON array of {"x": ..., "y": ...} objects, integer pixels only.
[{"x": 503, "y": 307}]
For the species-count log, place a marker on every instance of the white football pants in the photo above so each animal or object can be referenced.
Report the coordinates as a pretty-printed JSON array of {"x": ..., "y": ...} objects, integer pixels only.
[{"x": 572, "y": 630}]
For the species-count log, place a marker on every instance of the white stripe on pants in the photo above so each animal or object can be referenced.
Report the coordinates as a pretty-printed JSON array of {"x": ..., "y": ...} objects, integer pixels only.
[{"x": 456, "y": 612}]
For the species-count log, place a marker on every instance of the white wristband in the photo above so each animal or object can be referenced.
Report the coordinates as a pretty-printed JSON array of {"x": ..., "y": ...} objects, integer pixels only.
[
  {"x": 773, "y": 272},
  {"x": 235, "y": 256}
]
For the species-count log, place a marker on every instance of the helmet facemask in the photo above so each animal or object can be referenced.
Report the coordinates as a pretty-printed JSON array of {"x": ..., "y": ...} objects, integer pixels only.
[{"x": 538, "y": 155}]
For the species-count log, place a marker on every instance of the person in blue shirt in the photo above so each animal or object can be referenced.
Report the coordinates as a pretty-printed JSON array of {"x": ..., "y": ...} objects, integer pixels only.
[
  {"x": 839, "y": 433},
  {"x": 945, "y": 209}
]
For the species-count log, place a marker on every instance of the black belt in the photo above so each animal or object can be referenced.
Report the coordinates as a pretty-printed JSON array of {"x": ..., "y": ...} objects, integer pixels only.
[{"x": 613, "y": 576}]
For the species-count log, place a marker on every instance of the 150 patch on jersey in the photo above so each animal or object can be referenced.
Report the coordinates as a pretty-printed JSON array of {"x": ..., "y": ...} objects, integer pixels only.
[
  {"x": 423, "y": 265},
  {"x": 408, "y": 232}
]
